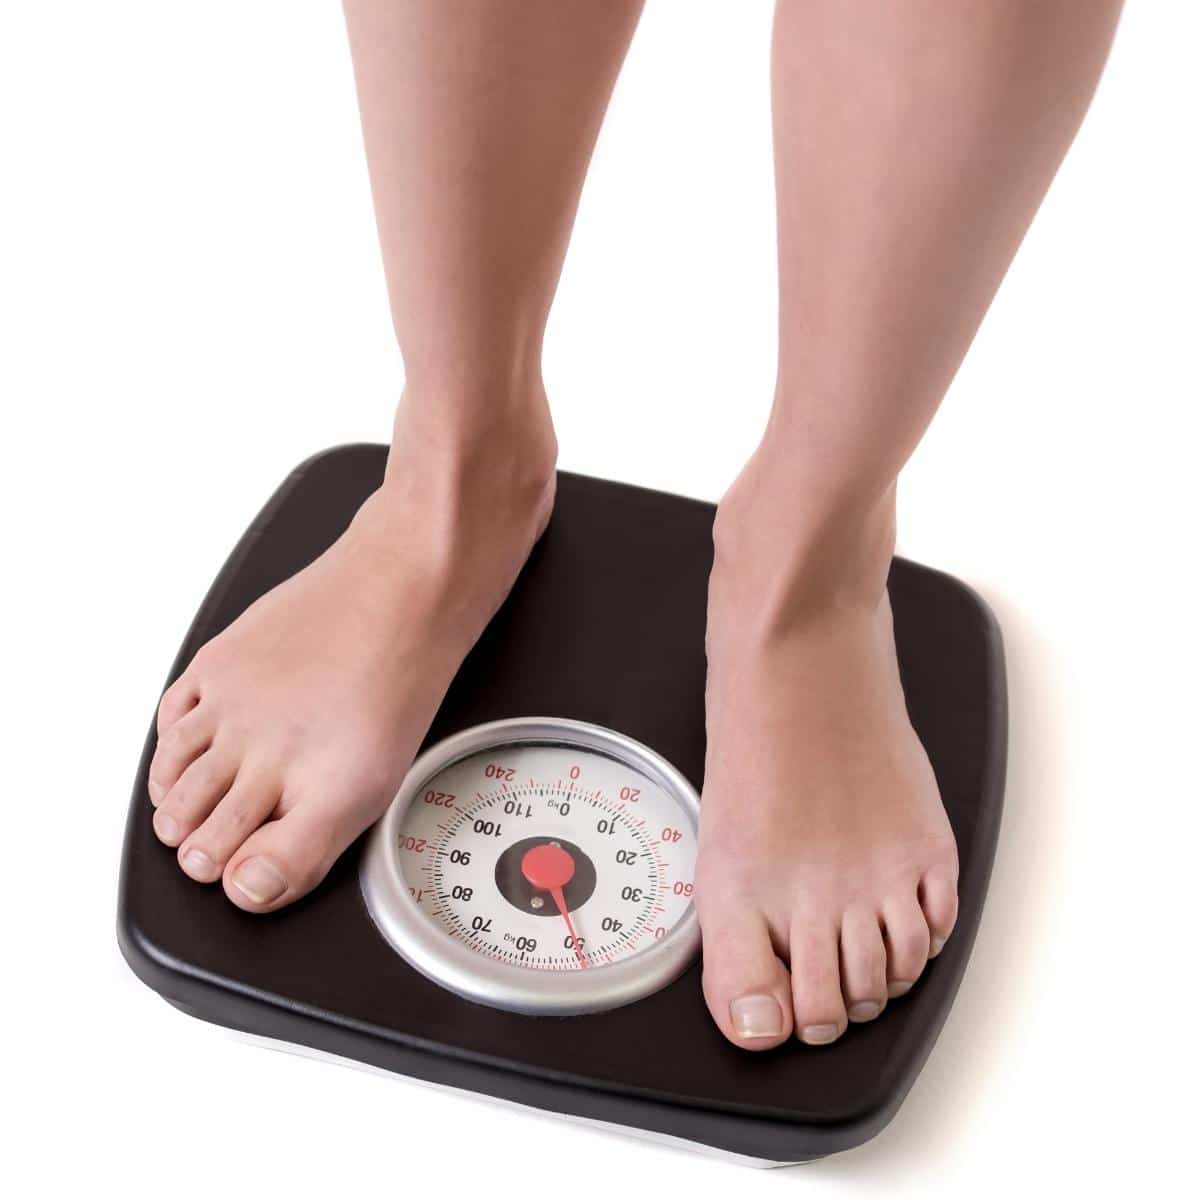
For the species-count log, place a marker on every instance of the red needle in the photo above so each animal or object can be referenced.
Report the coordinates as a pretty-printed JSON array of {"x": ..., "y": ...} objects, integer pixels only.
[{"x": 551, "y": 868}]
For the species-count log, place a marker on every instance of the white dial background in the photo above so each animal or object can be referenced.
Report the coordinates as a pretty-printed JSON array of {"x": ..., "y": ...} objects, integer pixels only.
[{"x": 638, "y": 839}]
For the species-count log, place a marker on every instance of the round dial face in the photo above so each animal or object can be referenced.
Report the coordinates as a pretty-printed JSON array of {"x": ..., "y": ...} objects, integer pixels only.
[{"x": 540, "y": 865}]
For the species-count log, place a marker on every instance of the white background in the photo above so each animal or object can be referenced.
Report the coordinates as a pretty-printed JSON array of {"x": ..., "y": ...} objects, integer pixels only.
[{"x": 191, "y": 302}]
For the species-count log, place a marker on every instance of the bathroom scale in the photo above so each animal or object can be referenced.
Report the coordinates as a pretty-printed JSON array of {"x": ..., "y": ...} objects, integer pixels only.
[{"x": 519, "y": 923}]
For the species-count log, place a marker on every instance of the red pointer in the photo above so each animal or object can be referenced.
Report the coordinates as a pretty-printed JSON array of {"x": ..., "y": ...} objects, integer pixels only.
[{"x": 551, "y": 868}]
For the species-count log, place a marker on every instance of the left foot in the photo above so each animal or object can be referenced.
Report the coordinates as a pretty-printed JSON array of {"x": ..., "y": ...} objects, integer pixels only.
[
  {"x": 827, "y": 874},
  {"x": 288, "y": 733}
]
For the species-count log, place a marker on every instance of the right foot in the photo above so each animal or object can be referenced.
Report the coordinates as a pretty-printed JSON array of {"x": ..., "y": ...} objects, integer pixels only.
[
  {"x": 827, "y": 871},
  {"x": 289, "y": 733}
]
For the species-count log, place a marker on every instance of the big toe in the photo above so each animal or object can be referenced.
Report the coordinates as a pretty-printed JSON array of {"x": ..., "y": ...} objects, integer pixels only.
[
  {"x": 746, "y": 987},
  {"x": 286, "y": 858}
]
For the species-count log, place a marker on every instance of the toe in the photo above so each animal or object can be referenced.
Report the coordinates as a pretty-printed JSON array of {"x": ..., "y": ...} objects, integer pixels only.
[
  {"x": 816, "y": 984},
  {"x": 906, "y": 936},
  {"x": 864, "y": 965},
  {"x": 745, "y": 985},
  {"x": 180, "y": 698},
  {"x": 194, "y": 795},
  {"x": 179, "y": 745},
  {"x": 288, "y": 857},
  {"x": 938, "y": 894},
  {"x": 247, "y": 804}
]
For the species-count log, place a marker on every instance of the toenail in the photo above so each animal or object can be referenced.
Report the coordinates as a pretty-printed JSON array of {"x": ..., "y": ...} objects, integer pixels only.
[
  {"x": 818, "y": 1035},
  {"x": 756, "y": 1016},
  {"x": 260, "y": 881},
  {"x": 864, "y": 1010},
  {"x": 156, "y": 790},
  {"x": 198, "y": 865},
  {"x": 166, "y": 826},
  {"x": 935, "y": 947},
  {"x": 898, "y": 987}
]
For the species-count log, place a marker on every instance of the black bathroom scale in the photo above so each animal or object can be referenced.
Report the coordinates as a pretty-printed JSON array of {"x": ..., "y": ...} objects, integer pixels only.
[{"x": 519, "y": 923}]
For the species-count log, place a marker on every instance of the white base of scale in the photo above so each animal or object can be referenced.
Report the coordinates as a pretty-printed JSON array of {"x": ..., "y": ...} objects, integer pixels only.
[{"x": 661, "y": 1139}]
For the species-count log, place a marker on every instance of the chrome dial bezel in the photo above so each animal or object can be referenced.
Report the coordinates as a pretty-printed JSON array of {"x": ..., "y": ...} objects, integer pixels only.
[{"x": 503, "y": 985}]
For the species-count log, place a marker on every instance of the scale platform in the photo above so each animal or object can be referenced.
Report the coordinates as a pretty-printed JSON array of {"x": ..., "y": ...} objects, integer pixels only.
[{"x": 606, "y": 626}]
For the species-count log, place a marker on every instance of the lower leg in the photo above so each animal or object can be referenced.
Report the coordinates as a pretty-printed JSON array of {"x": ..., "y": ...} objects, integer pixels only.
[
  {"x": 914, "y": 143},
  {"x": 288, "y": 733},
  {"x": 479, "y": 120}
]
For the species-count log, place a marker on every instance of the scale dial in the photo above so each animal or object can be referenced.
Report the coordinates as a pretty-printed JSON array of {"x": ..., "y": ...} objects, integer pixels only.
[{"x": 539, "y": 865}]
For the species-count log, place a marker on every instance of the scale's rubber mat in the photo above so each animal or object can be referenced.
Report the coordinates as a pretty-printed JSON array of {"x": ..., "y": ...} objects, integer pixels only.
[{"x": 606, "y": 624}]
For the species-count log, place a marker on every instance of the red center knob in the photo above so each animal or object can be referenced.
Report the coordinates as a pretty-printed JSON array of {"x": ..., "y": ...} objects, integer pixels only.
[{"x": 547, "y": 867}]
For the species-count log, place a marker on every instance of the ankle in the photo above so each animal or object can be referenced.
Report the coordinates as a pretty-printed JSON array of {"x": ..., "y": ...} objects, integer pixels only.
[
  {"x": 465, "y": 437},
  {"x": 788, "y": 553},
  {"x": 466, "y": 494}
]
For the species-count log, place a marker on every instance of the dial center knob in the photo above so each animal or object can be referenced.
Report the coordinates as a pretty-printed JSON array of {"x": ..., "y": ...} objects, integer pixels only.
[{"x": 548, "y": 866}]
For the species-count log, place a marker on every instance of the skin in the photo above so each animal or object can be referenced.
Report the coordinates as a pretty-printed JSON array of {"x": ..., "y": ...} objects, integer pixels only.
[
  {"x": 914, "y": 144},
  {"x": 290, "y": 732}
]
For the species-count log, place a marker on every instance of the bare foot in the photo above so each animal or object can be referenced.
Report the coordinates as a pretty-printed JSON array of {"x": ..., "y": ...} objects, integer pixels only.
[
  {"x": 288, "y": 733},
  {"x": 828, "y": 870}
]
